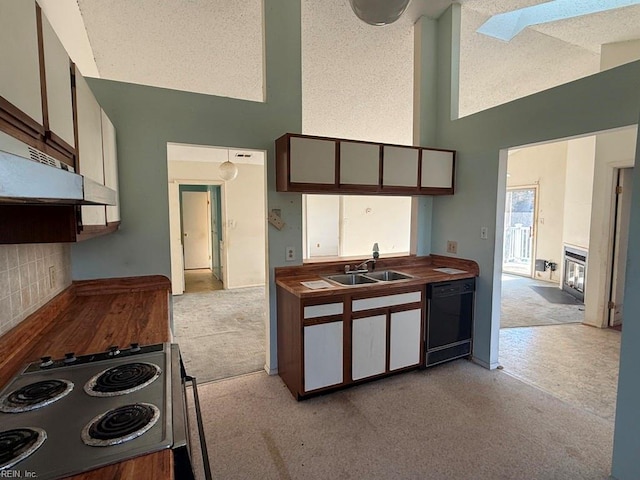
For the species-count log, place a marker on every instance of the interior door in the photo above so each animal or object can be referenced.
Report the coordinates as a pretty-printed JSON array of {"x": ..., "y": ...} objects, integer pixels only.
[
  {"x": 621, "y": 239},
  {"x": 195, "y": 230},
  {"x": 519, "y": 231}
]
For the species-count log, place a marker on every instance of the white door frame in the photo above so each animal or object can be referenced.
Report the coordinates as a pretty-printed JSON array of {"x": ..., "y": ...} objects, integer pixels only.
[{"x": 175, "y": 235}]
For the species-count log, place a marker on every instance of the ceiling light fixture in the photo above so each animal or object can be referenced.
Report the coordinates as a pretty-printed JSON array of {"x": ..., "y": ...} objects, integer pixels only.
[
  {"x": 379, "y": 12},
  {"x": 228, "y": 170}
]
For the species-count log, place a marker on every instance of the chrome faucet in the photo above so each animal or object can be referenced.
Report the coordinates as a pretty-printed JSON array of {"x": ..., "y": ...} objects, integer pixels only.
[{"x": 362, "y": 267}]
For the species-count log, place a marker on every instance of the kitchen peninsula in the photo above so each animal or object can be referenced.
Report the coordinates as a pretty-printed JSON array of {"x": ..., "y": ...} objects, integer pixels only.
[{"x": 340, "y": 335}]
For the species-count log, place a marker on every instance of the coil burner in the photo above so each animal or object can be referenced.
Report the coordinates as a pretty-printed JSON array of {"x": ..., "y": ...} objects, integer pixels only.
[
  {"x": 35, "y": 395},
  {"x": 123, "y": 379},
  {"x": 120, "y": 425},
  {"x": 18, "y": 443}
]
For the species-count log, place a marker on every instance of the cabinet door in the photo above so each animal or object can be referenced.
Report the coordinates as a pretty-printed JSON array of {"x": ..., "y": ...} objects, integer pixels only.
[
  {"x": 312, "y": 160},
  {"x": 400, "y": 167},
  {"x": 405, "y": 339},
  {"x": 90, "y": 162},
  {"x": 322, "y": 355},
  {"x": 19, "y": 58},
  {"x": 109, "y": 152},
  {"x": 359, "y": 163},
  {"x": 58, "y": 75},
  {"x": 437, "y": 169},
  {"x": 369, "y": 347}
]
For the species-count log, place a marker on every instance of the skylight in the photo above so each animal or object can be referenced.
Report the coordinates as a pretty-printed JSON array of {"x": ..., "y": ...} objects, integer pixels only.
[{"x": 505, "y": 26}]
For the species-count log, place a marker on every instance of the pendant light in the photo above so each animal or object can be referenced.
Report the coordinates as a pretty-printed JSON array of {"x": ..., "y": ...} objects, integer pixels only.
[
  {"x": 228, "y": 170},
  {"x": 379, "y": 12}
]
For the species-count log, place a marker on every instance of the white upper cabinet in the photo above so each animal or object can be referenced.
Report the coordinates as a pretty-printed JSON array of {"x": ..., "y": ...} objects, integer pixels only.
[
  {"x": 90, "y": 160},
  {"x": 110, "y": 154},
  {"x": 19, "y": 58},
  {"x": 359, "y": 163},
  {"x": 312, "y": 160},
  {"x": 400, "y": 167},
  {"x": 58, "y": 76},
  {"x": 437, "y": 169}
]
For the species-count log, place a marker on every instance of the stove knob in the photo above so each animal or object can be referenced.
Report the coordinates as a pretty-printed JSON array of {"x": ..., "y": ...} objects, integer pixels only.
[
  {"x": 46, "y": 361},
  {"x": 135, "y": 347},
  {"x": 113, "y": 351},
  {"x": 69, "y": 357}
]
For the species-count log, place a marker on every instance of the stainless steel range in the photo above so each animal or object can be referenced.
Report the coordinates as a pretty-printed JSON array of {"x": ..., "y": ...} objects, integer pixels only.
[{"x": 63, "y": 417}]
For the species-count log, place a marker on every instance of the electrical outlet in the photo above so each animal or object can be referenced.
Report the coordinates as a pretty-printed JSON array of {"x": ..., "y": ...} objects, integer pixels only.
[
  {"x": 452, "y": 247},
  {"x": 484, "y": 233},
  {"x": 290, "y": 254},
  {"x": 52, "y": 276}
]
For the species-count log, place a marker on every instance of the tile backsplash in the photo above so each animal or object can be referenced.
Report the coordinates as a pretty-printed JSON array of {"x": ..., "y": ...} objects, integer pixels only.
[{"x": 30, "y": 276}]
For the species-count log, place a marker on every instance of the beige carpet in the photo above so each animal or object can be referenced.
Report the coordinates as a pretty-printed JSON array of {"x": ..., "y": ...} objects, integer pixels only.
[
  {"x": 221, "y": 333},
  {"x": 522, "y": 306},
  {"x": 454, "y": 421}
]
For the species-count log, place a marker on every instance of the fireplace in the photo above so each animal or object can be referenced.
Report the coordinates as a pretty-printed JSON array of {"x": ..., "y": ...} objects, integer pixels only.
[{"x": 575, "y": 271}]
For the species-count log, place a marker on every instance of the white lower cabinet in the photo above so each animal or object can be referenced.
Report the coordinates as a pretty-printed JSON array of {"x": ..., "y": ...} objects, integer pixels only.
[
  {"x": 323, "y": 353},
  {"x": 369, "y": 346},
  {"x": 405, "y": 339}
]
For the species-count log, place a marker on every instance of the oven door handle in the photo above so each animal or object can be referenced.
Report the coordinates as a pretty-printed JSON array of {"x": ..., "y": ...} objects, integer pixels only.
[{"x": 203, "y": 440}]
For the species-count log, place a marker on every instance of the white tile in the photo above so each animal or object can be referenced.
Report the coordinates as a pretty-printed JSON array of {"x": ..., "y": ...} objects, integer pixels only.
[
  {"x": 23, "y": 255},
  {"x": 5, "y": 285},
  {"x": 24, "y": 275},
  {"x": 16, "y": 305},
  {"x": 14, "y": 280},
  {"x": 25, "y": 298},
  {"x": 12, "y": 256},
  {"x": 4, "y": 263},
  {"x": 5, "y": 310},
  {"x": 33, "y": 277}
]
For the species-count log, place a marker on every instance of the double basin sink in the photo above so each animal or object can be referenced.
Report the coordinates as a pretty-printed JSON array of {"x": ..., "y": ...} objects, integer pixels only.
[{"x": 352, "y": 279}]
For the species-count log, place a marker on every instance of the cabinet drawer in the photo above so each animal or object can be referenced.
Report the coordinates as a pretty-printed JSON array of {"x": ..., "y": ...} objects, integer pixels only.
[
  {"x": 386, "y": 301},
  {"x": 324, "y": 310}
]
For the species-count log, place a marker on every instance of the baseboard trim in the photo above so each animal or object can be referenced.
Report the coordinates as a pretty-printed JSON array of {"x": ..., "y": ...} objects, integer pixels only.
[
  {"x": 482, "y": 363},
  {"x": 270, "y": 371}
]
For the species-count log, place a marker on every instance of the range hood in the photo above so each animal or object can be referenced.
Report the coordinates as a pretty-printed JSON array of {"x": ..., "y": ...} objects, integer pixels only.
[{"x": 29, "y": 176}]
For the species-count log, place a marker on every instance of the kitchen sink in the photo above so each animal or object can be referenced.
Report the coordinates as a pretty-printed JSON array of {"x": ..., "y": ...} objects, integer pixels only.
[
  {"x": 350, "y": 279},
  {"x": 388, "y": 275}
]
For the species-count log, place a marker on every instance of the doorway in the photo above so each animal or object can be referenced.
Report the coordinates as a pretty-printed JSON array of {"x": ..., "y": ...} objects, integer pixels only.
[
  {"x": 519, "y": 230},
  {"x": 622, "y": 208},
  {"x": 199, "y": 228}
]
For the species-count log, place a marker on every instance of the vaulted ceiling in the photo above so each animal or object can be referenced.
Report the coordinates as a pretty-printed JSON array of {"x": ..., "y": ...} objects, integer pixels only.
[{"x": 215, "y": 46}]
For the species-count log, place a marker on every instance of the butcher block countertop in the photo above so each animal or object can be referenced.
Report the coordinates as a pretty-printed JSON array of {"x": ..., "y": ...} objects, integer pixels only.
[
  {"x": 88, "y": 317},
  {"x": 421, "y": 270}
]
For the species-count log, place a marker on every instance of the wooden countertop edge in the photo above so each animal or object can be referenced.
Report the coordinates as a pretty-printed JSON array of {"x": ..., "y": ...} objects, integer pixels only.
[
  {"x": 110, "y": 286},
  {"x": 421, "y": 268}
]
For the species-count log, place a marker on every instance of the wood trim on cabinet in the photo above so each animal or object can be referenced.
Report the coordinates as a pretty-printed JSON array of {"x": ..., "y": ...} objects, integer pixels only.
[
  {"x": 37, "y": 223},
  {"x": 20, "y": 120},
  {"x": 420, "y": 168},
  {"x": 43, "y": 72},
  {"x": 387, "y": 364},
  {"x": 91, "y": 231},
  {"x": 309, "y": 322},
  {"x": 62, "y": 146},
  {"x": 74, "y": 107},
  {"x": 337, "y": 165},
  {"x": 347, "y": 344}
]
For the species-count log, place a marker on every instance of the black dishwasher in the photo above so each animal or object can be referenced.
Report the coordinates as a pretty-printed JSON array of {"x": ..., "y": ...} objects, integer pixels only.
[{"x": 449, "y": 329}]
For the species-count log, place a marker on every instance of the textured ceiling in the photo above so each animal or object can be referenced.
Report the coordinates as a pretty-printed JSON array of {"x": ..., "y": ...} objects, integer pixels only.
[
  {"x": 204, "y": 46},
  {"x": 215, "y": 47}
]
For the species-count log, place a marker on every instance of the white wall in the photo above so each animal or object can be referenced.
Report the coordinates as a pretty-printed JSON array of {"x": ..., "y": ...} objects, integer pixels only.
[
  {"x": 244, "y": 213},
  {"x": 322, "y": 225},
  {"x": 613, "y": 150},
  {"x": 578, "y": 191},
  {"x": 382, "y": 220},
  {"x": 357, "y": 79},
  {"x": 544, "y": 166}
]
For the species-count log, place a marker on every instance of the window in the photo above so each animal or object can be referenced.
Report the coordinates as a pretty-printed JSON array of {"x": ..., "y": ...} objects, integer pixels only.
[{"x": 349, "y": 225}]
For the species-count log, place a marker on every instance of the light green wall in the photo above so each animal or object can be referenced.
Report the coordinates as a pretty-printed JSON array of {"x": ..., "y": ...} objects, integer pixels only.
[
  {"x": 599, "y": 102},
  {"x": 146, "y": 118}
]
